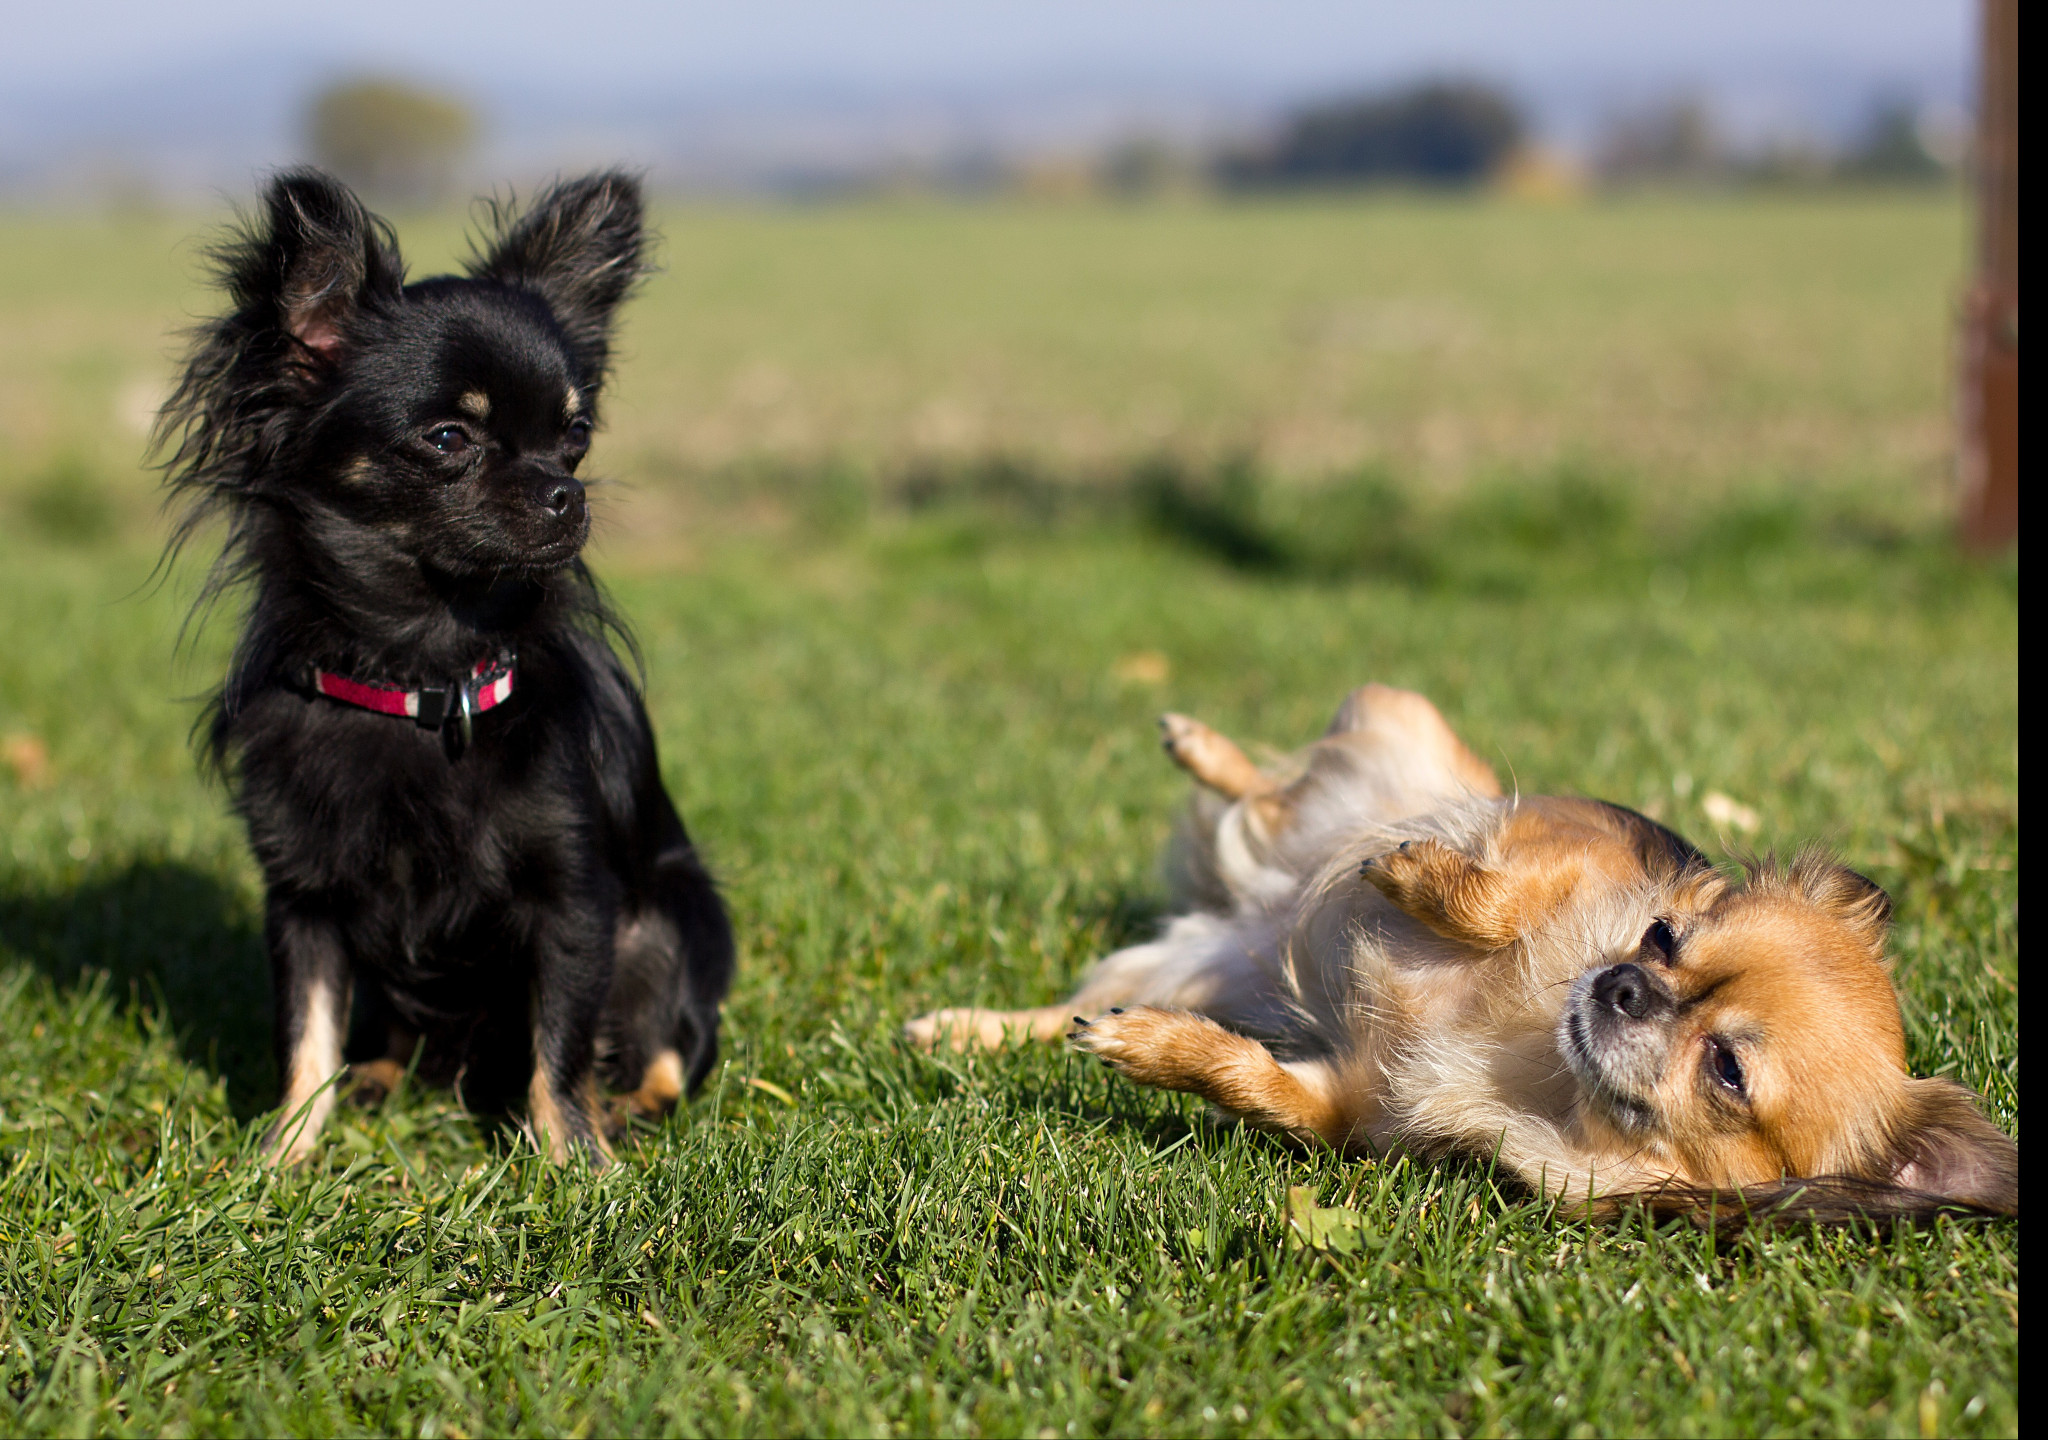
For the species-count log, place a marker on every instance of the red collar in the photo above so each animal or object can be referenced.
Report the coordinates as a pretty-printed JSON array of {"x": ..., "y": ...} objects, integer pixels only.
[{"x": 486, "y": 687}]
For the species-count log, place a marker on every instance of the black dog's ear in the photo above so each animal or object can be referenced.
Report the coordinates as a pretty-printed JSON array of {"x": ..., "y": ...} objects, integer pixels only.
[
  {"x": 318, "y": 258},
  {"x": 299, "y": 275},
  {"x": 1948, "y": 1148},
  {"x": 581, "y": 246}
]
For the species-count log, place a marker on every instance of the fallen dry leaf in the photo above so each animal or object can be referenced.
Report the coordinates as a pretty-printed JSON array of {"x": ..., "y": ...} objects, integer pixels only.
[
  {"x": 28, "y": 757},
  {"x": 1729, "y": 813},
  {"x": 1142, "y": 667}
]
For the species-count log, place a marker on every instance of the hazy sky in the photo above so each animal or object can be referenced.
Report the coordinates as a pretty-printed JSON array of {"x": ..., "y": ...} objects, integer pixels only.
[
  {"x": 207, "y": 93},
  {"x": 884, "y": 44}
]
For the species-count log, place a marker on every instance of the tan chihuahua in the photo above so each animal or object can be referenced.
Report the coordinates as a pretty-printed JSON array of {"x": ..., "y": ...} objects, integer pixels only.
[{"x": 1379, "y": 950}]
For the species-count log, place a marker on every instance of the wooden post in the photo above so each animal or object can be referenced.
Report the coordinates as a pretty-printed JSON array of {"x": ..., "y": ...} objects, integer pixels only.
[{"x": 1988, "y": 402}]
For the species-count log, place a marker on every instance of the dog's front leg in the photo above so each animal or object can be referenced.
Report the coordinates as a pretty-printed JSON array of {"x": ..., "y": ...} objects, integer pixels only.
[
  {"x": 571, "y": 978},
  {"x": 310, "y": 984},
  {"x": 1179, "y": 1050}
]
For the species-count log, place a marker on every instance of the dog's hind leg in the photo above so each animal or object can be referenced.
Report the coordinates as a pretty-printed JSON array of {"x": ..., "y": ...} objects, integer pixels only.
[
  {"x": 674, "y": 955},
  {"x": 1179, "y": 1050},
  {"x": 1212, "y": 757},
  {"x": 642, "y": 1062},
  {"x": 1215, "y": 760},
  {"x": 704, "y": 937},
  {"x": 661, "y": 1086},
  {"x": 672, "y": 961},
  {"x": 1402, "y": 727},
  {"x": 641, "y": 1019},
  {"x": 972, "y": 1029}
]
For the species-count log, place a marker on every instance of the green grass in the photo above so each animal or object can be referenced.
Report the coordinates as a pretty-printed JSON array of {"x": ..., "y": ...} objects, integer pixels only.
[
  {"x": 906, "y": 748},
  {"x": 897, "y": 719}
]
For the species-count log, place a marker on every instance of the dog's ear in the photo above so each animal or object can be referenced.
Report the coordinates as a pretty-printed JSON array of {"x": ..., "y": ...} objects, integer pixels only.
[
  {"x": 299, "y": 276},
  {"x": 581, "y": 246},
  {"x": 315, "y": 262},
  {"x": 1857, "y": 901},
  {"x": 1946, "y": 1147}
]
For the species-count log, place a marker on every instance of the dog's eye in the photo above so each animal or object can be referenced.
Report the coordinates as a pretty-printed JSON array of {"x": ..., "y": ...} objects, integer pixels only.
[
  {"x": 448, "y": 439},
  {"x": 1727, "y": 1069},
  {"x": 1659, "y": 943},
  {"x": 578, "y": 439}
]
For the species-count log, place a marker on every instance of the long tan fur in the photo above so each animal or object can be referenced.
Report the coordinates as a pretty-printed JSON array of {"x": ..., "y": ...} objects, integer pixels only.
[{"x": 1385, "y": 952}]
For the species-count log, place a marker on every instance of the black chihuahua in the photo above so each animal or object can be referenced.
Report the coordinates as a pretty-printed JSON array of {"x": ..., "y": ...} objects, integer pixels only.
[{"x": 447, "y": 774}]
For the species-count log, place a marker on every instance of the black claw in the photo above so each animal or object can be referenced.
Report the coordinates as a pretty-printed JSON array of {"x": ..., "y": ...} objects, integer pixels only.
[
  {"x": 1116, "y": 1009},
  {"x": 1111, "y": 1064},
  {"x": 1404, "y": 846},
  {"x": 1082, "y": 1023}
]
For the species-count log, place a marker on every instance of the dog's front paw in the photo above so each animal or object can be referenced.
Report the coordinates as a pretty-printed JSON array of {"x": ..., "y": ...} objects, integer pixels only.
[
  {"x": 372, "y": 1082},
  {"x": 1166, "y": 1048},
  {"x": 1177, "y": 1050},
  {"x": 1418, "y": 875},
  {"x": 1448, "y": 891},
  {"x": 1109, "y": 1038}
]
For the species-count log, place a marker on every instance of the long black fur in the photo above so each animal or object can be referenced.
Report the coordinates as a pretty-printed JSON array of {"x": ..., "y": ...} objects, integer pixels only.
[{"x": 531, "y": 896}]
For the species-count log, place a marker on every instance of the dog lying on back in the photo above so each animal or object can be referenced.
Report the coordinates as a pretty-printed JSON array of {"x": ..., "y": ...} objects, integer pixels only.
[
  {"x": 447, "y": 773},
  {"x": 1385, "y": 952}
]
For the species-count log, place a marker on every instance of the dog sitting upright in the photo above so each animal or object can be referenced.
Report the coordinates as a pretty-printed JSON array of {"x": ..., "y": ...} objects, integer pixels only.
[
  {"x": 1384, "y": 952},
  {"x": 448, "y": 776}
]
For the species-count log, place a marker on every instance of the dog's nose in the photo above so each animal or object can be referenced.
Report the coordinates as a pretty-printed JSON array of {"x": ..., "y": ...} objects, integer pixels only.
[
  {"x": 1626, "y": 990},
  {"x": 562, "y": 496}
]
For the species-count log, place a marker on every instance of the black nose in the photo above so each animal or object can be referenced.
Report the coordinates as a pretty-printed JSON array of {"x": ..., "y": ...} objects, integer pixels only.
[
  {"x": 1627, "y": 990},
  {"x": 562, "y": 497}
]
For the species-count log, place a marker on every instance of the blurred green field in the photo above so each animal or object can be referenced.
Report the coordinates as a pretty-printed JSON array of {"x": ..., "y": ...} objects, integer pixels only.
[
  {"x": 1695, "y": 343},
  {"x": 904, "y": 686}
]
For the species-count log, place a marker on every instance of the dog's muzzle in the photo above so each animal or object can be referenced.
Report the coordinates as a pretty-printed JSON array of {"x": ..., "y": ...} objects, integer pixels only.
[{"x": 1611, "y": 1038}]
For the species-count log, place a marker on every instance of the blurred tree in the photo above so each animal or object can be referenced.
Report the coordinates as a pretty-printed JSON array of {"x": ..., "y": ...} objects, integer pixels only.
[
  {"x": 1453, "y": 132},
  {"x": 1788, "y": 160},
  {"x": 1142, "y": 165},
  {"x": 1675, "y": 140},
  {"x": 392, "y": 140},
  {"x": 1893, "y": 146}
]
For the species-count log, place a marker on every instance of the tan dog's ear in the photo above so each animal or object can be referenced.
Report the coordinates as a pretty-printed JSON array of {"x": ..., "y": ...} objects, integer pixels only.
[
  {"x": 1948, "y": 1148},
  {"x": 1857, "y": 901}
]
